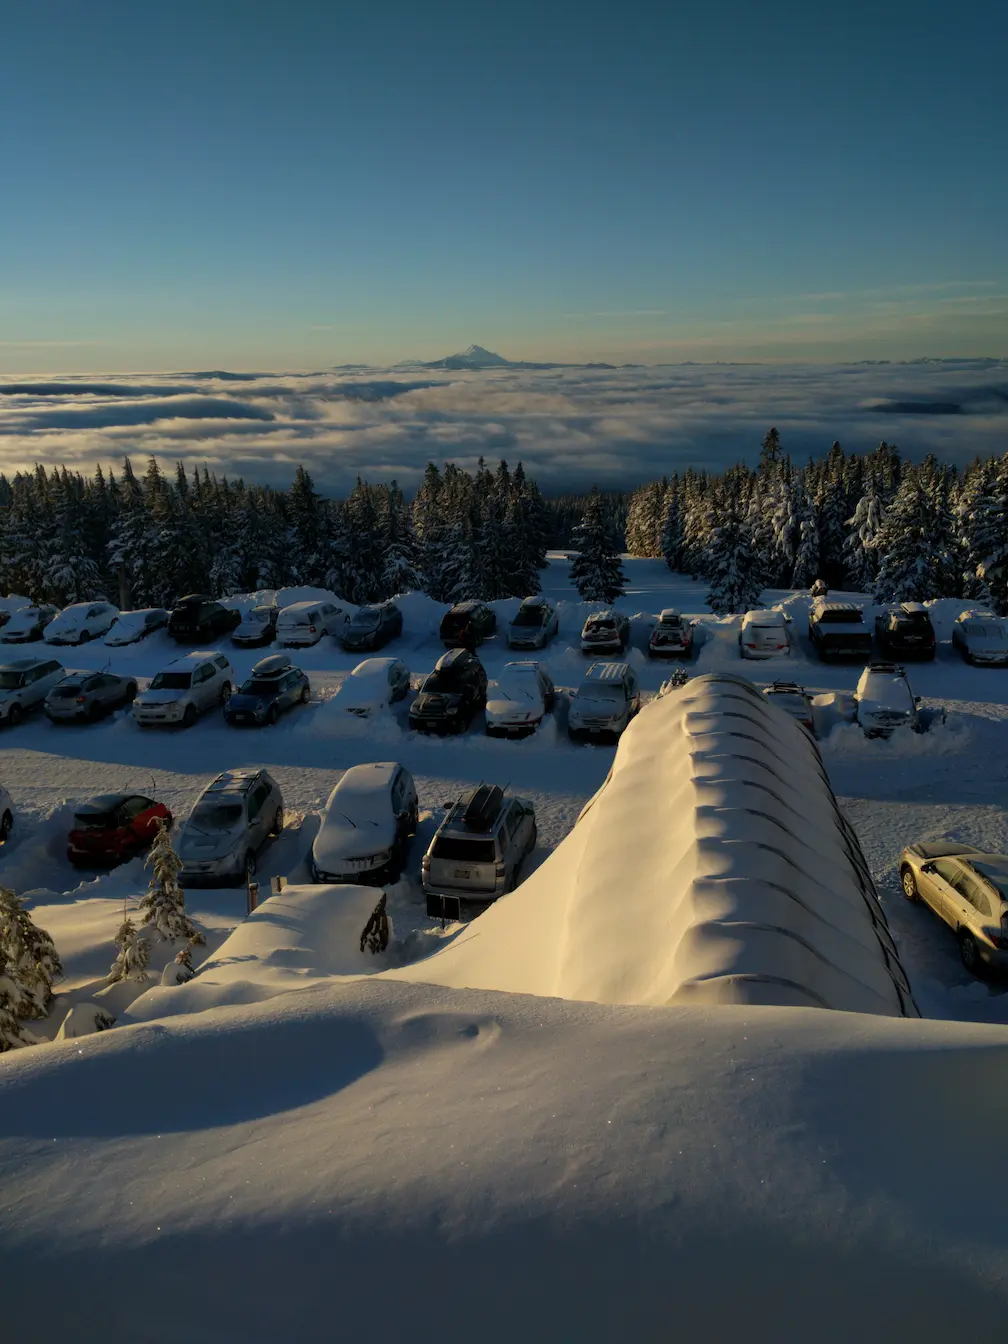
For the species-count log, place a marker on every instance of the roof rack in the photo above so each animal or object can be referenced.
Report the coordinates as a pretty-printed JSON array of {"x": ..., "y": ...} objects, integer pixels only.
[{"x": 482, "y": 807}]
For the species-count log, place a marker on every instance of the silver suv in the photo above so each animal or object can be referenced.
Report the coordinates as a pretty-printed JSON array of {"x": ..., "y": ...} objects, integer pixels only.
[
  {"x": 185, "y": 689},
  {"x": 477, "y": 851},
  {"x": 605, "y": 702},
  {"x": 230, "y": 822}
]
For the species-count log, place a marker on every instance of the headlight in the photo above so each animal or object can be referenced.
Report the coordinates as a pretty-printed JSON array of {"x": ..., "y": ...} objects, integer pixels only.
[{"x": 452, "y": 709}]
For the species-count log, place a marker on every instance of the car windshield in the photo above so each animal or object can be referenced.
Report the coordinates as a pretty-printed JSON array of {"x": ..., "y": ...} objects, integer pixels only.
[
  {"x": 794, "y": 704},
  {"x": 217, "y": 816},
  {"x": 529, "y": 616},
  {"x": 258, "y": 615},
  {"x": 442, "y": 681},
  {"x": 912, "y": 617},
  {"x": 463, "y": 850},
  {"x": 95, "y": 821},
  {"x": 10, "y": 681},
  {"x": 258, "y": 686},
  {"x": 598, "y": 624},
  {"x": 991, "y": 630},
  {"x": 844, "y": 617},
  {"x": 366, "y": 619},
  {"x": 171, "y": 681},
  {"x": 664, "y": 635},
  {"x": 603, "y": 690},
  {"x": 773, "y": 629},
  {"x": 27, "y": 617},
  {"x": 456, "y": 621},
  {"x": 516, "y": 688},
  {"x": 67, "y": 690}
]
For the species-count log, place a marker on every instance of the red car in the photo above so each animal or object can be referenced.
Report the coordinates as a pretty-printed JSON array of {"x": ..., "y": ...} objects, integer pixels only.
[{"x": 113, "y": 828}]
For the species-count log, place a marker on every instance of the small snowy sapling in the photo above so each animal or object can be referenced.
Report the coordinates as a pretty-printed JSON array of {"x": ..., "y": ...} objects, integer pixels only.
[{"x": 164, "y": 904}]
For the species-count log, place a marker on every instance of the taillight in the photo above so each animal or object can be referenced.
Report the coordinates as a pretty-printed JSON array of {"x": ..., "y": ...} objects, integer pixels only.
[
  {"x": 425, "y": 864},
  {"x": 81, "y": 700},
  {"x": 499, "y": 870},
  {"x": 311, "y": 629}
]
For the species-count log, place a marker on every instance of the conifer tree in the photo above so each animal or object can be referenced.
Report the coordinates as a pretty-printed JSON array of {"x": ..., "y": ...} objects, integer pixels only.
[
  {"x": 13, "y": 1032},
  {"x": 29, "y": 957},
  {"x": 163, "y": 906},
  {"x": 132, "y": 954},
  {"x": 596, "y": 571},
  {"x": 735, "y": 584}
]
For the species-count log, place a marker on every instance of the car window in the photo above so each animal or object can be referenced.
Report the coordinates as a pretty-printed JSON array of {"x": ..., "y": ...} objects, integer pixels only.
[
  {"x": 132, "y": 807},
  {"x": 257, "y": 796},
  {"x": 947, "y": 869},
  {"x": 973, "y": 891}
]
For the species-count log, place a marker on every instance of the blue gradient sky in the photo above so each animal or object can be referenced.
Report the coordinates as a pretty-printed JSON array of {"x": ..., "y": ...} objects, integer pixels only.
[{"x": 248, "y": 185}]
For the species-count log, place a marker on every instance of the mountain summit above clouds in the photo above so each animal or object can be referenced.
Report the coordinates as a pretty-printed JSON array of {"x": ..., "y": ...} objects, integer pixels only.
[{"x": 472, "y": 357}]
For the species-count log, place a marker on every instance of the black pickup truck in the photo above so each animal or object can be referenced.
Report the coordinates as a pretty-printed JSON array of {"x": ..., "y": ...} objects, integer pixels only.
[{"x": 838, "y": 630}]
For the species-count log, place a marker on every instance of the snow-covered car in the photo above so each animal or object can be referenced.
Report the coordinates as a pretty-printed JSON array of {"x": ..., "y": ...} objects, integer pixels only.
[
  {"x": 257, "y": 627},
  {"x": 765, "y": 634},
  {"x": 6, "y": 815},
  {"x": 305, "y": 623},
  {"x": 132, "y": 626},
  {"x": 114, "y": 827},
  {"x": 478, "y": 851},
  {"x": 372, "y": 685},
  {"x": 231, "y": 821},
  {"x": 535, "y": 624},
  {"x": 838, "y": 630},
  {"x": 605, "y": 702},
  {"x": 24, "y": 685},
  {"x": 792, "y": 699},
  {"x": 968, "y": 889},
  {"x": 672, "y": 636},
  {"x": 83, "y": 697},
  {"x": 884, "y": 701},
  {"x": 81, "y": 622},
  {"x": 275, "y": 685},
  {"x": 905, "y": 632},
  {"x": 605, "y": 632},
  {"x": 518, "y": 699},
  {"x": 981, "y": 638},
  {"x": 372, "y": 626},
  {"x": 368, "y": 821},
  {"x": 185, "y": 689},
  {"x": 28, "y": 624}
]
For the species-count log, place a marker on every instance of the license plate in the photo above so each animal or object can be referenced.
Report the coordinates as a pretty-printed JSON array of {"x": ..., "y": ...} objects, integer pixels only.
[
  {"x": 464, "y": 873},
  {"x": 595, "y": 731}
]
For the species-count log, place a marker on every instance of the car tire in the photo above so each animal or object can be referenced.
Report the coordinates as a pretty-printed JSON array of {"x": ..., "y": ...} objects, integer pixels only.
[
  {"x": 85, "y": 637},
  {"x": 131, "y": 692},
  {"x": 94, "y": 713},
  {"x": 908, "y": 883},
  {"x": 15, "y": 715},
  {"x": 278, "y": 822},
  {"x": 305, "y": 694},
  {"x": 6, "y": 826},
  {"x": 969, "y": 953},
  {"x": 225, "y": 693},
  {"x": 189, "y": 717},
  {"x": 272, "y": 716}
]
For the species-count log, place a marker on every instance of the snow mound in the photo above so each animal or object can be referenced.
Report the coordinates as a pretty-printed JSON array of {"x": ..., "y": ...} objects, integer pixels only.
[{"x": 714, "y": 865}]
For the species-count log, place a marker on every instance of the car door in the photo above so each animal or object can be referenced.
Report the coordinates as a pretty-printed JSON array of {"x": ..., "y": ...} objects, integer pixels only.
[
  {"x": 633, "y": 693},
  {"x": 108, "y": 690},
  {"x": 258, "y": 821},
  {"x": 941, "y": 894},
  {"x": 207, "y": 686}
]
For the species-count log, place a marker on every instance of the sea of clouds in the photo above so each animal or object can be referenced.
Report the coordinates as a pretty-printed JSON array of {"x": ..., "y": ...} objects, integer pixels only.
[{"x": 569, "y": 426}]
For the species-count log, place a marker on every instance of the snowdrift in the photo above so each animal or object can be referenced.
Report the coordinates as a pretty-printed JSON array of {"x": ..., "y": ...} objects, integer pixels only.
[{"x": 714, "y": 865}]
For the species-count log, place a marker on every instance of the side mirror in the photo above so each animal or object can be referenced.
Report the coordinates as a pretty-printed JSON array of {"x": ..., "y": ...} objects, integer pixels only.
[{"x": 927, "y": 868}]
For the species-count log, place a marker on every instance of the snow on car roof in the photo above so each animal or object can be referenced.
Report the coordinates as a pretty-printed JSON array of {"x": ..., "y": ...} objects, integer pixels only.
[
  {"x": 197, "y": 656},
  {"x": 606, "y": 672},
  {"x": 373, "y": 667},
  {"x": 764, "y": 616},
  {"x": 717, "y": 832},
  {"x": 232, "y": 781},
  {"x": 669, "y": 616},
  {"x": 366, "y": 788}
]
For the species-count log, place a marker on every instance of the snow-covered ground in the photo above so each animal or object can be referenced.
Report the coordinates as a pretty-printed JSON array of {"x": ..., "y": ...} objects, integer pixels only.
[{"x": 307, "y": 1138}]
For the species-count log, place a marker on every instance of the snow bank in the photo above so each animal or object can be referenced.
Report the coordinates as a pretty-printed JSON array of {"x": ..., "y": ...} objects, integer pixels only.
[{"x": 714, "y": 865}]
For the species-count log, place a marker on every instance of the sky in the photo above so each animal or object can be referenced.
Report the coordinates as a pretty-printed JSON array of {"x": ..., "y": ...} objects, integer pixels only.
[{"x": 242, "y": 185}]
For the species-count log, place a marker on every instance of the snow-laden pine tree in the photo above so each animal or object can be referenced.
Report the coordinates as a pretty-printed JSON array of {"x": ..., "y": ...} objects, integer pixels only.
[
  {"x": 163, "y": 906},
  {"x": 735, "y": 581},
  {"x": 30, "y": 956},
  {"x": 917, "y": 560},
  {"x": 983, "y": 531},
  {"x": 13, "y": 1032},
  {"x": 132, "y": 954},
  {"x": 861, "y": 547},
  {"x": 672, "y": 525},
  {"x": 806, "y": 566},
  {"x": 596, "y": 571}
]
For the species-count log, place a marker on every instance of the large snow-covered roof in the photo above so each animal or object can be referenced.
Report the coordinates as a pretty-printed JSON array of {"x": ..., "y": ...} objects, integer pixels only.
[{"x": 714, "y": 865}]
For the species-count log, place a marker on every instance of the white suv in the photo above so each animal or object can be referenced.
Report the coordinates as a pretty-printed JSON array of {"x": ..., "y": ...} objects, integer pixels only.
[
  {"x": 304, "y": 623},
  {"x": 185, "y": 689},
  {"x": 24, "y": 684},
  {"x": 885, "y": 701}
]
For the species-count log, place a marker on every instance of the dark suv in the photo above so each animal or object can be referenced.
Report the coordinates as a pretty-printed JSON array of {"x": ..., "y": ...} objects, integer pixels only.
[
  {"x": 196, "y": 619},
  {"x": 468, "y": 624},
  {"x": 838, "y": 630},
  {"x": 905, "y": 632},
  {"x": 372, "y": 627},
  {"x": 451, "y": 694}
]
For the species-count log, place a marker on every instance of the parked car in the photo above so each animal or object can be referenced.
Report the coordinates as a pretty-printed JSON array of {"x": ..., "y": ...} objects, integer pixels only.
[
  {"x": 467, "y": 624},
  {"x": 672, "y": 636},
  {"x": 257, "y": 627},
  {"x": 304, "y": 623},
  {"x": 478, "y": 851},
  {"x": 372, "y": 685},
  {"x": 535, "y": 624},
  {"x": 6, "y": 815},
  {"x": 838, "y": 630},
  {"x": 372, "y": 627},
  {"x": 132, "y": 626},
  {"x": 605, "y": 702},
  {"x": 86, "y": 696},
  {"x": 185, "y": 689},
  {"x": 197, "y": 619},
  {"x": 451, "y": 694},
  {"x": 792, "y": 699},
  {"x": 905, "y": 632},
  {"x": 765, "y": 634},
  {"x": 28, "y": 624},
  {"x": 981, "y": 638},
  {"x": 275, "y": 686},
  {"x": 231, "y": 821},
  {"x": 113, "y": 828},
  {"x": 884, "y": 700},
  {"x": 605, "y": 632},
  {"x": 81, "y": 622},
  {"x": 24, "y": 685},
  {"x": 518, "y": 699},
  {"x": 368, "y": 822},
  {"x": 968, "y": 889}
]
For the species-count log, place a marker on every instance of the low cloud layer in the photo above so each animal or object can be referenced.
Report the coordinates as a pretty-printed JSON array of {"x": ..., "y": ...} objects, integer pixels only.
[{"x": 570, "y": 427}]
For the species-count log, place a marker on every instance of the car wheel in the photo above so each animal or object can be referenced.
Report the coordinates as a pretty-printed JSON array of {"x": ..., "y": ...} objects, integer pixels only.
[
  {"x": 94, "y": 712},
  {"x": 272, "y": 716},
  {"x": 909, "y": 884},
  {"x": 6, "y": 825},
  {"x": 15, "y": 716},
  {"x": 535, "y": 839},
  {"x": 131, "y": 691},
  {"x": 189, "y": 717},
  {"x": 305, "y": 694},
  {"x": 968, "y": 952},
  {"x": 225, "y": 693},
  {"x": 85, "y": 637},
  {"x": 278, "y": 822}
]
